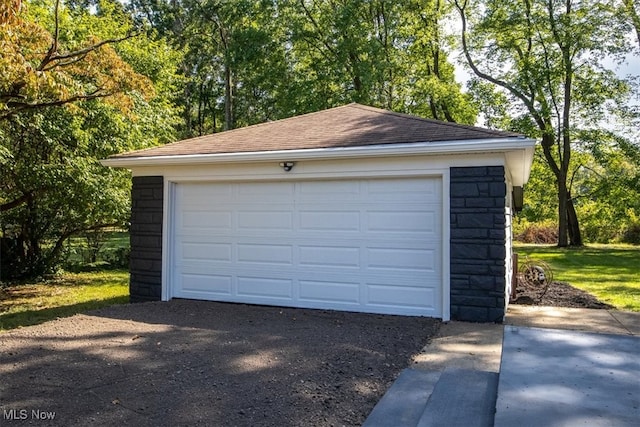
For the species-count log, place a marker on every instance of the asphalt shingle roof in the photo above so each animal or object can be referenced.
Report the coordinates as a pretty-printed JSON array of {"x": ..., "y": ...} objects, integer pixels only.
[{"x": 351, "y": 125}]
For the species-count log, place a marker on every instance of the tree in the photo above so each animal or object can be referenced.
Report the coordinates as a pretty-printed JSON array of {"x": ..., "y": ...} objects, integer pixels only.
[
  {"x": 608, "y": 179},
  {"x": 548, "y": 55},
  {"x": 632, "y": 13},
  {"x": 44, "y": 68},
  {"x": 234, "y": 63},
  {"x": 387, "y": 54},
  {"x": 429, "y": 79},
  {"x": 247, "y": 62},
  {"x": 53, "y": 185}
]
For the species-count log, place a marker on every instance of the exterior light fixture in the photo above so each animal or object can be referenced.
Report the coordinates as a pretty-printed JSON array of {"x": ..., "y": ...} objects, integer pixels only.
[
  {"x": 287, "y": 166},
  {"x": 518, "y": 199}
]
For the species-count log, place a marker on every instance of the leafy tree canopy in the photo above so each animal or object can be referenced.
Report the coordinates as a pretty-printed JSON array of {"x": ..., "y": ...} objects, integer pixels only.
[
  {"x": 54, "y": 56},
  {"x": 53, "y": 185},
  {"x": 550, "y": 59}
]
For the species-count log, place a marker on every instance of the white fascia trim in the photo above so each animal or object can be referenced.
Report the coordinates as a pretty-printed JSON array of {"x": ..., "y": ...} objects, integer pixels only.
[{"x": 444, "y": 147}]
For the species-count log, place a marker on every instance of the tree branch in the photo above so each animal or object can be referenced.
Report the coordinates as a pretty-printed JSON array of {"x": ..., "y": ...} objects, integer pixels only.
[
  {"x": 17, "y": 106},
  {"x": 55, "y": 251},
  {"x": 317, "y": 27},
  {"x": 59, "y": 58},
  {"x": 635, "y": 19},
  {"x": 54, "y": 44},
  {"x": 15, "y": 203},
  {"x": 518, "y": 94}
]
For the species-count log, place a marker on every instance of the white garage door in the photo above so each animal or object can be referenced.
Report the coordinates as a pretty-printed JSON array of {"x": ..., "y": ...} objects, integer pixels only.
[{"x": 371, "y": 245}]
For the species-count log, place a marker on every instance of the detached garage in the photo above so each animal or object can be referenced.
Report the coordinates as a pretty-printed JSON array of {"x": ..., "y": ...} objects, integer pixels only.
[{"x": 352, "y": 208}]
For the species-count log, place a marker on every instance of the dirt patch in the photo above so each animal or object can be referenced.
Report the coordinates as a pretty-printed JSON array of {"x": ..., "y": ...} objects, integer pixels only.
[
  {"x": 558, "y": 294},
  {"x": 204, "y": 363}
]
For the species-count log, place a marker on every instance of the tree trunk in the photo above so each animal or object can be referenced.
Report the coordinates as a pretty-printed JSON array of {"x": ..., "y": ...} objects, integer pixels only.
[
  {"x": 635, "y": 18},
  {"x": 228, "y": 98},
  {"x": 562, "y": 211},
  {"x": 575, "y": 237},
  {"x": 187, "y": 111}
]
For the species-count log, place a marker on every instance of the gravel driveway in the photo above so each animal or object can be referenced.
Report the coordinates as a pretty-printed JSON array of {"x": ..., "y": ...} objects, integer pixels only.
[{"x": 204, "y": 363}]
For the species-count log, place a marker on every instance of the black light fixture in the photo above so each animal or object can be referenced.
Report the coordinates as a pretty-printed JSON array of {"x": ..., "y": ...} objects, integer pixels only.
[
  {"x": 518, "y": 199},
  {"x": 287, "y": 166}
]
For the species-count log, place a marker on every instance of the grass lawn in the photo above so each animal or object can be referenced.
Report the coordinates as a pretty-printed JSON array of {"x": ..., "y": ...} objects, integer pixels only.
[
  {"x": 69, "y": 294},
  {"x": 610, "y": 272}
]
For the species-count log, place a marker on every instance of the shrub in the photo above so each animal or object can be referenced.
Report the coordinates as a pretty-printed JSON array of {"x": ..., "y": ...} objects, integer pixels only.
[
  {"x": 631, "y": 234},
  {"x": 542, "y": 233}
]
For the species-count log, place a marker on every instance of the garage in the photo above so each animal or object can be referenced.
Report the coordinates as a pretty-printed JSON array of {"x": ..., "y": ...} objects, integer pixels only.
[
  {"x": 352, "y": 208},
  {"x": 367, "y": 245}
]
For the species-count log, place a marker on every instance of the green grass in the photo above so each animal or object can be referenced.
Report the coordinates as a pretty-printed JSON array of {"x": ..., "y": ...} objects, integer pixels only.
[
  {"x": 69, "y": 294},
  {"x": 610, "y": 272}
]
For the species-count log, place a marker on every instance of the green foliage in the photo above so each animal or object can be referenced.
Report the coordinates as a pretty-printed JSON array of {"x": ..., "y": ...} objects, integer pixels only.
[
  {"x": 247, "y": 62},
  {"x": 97, "y": 250},
  {"x": 632, "y": 233},
  {"x": 54, "y": 186},
  {"x": 540, "y": 193},
  {"x": 53, "y": 56},
  {"x": 552, "y": 61},
  {"x": 604, "y": 184}
]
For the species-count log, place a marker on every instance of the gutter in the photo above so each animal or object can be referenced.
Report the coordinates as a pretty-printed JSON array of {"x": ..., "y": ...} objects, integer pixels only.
[{"x": 491, "y": 145}]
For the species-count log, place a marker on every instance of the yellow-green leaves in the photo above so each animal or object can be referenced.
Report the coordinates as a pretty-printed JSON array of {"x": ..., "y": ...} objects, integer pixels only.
[{"x": 48, "y": 67}]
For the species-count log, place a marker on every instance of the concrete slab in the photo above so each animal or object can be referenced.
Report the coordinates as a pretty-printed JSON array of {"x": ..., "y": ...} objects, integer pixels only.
[
  {"x": 404, "y": 402},
  {"x": 576, "y": 319},
  {"x": 461, "y": 398},
  {"x": 629, "y": 320},
  {"x": 556, "y": 378},
  {"x": 474, "y": 346}
]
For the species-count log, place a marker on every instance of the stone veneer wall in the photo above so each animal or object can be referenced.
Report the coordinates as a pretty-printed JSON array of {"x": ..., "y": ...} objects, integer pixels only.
[
  {"x": 478, "y": 238},
  {"x": 145, "y": 265}
]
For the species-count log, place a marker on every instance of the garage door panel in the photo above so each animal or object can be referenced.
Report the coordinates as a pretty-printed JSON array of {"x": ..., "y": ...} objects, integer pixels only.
[
  {"x": 202, "y": 194},
  {"x": 206, "y": 251},
  {"x": 333, "y": 191},
  {"x": 404, "y": 189},
  {"x": 329, "y": 220},
  {"x": 329, "y": 256},
  {"x": 265, "y": 254},
  {"x": 265, "y": 288},
  {"x": 265, "y": 220},
  {"x": 417, "y": 297},
  {"x": 401, "y": 259},
  {"x": 267, "y": 192},
  {"x": 361, "y": 245},
  {"x": 206, "y": 219},
  {"x": 213, "y": 284},
  {"x": 329, "y": 292},
  {"x": 405, "y": 222}
]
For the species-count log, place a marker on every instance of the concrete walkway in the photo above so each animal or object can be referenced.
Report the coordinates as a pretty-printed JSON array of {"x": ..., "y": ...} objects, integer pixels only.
[
  {"x": 575, "y": 319},
  {"x": 569, "y": 367},
  {"x": 553, "y": 378},
  {"x": 561, "y": 350}
]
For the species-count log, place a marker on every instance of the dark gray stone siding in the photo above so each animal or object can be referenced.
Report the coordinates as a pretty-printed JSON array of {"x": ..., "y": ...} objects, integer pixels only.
[
  {"x": 145, "y": 265},
  {"x": 478, "y": 238}
]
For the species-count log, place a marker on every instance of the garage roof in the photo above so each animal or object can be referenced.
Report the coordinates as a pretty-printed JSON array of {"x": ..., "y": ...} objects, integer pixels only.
[
  {"x": 348, "y": 131},
  {"x": 351, "y": 125}
]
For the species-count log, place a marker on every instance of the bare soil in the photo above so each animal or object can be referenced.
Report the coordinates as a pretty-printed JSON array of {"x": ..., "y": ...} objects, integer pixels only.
[
  {"x": 558, "y": 294},
  {"x": 205, "y": 363}
]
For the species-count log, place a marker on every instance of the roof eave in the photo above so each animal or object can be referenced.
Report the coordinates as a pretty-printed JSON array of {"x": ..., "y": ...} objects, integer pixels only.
[{"x": 521, "y": 150}]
